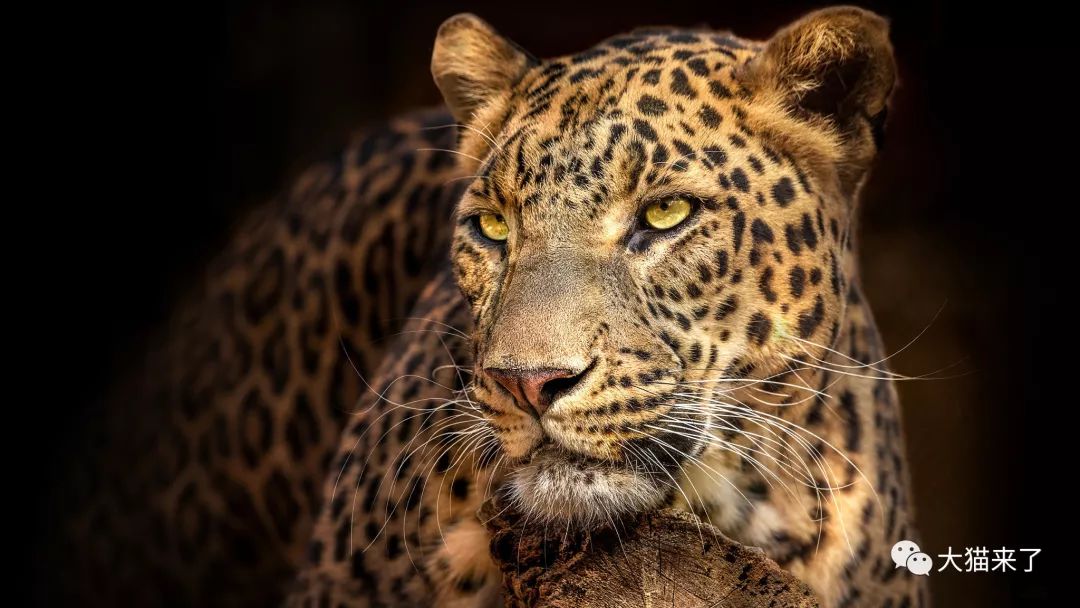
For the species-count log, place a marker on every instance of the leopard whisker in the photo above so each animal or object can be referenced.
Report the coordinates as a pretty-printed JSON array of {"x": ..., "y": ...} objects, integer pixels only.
[
  {"x": 433, "y": 430},
  {"x": 811, "y": 484},
  {"x": 436, "y": 433},
  {"x": 622, "y": 547},
  {"x": 458, "y": 368},
  {"x": 795, "y": 432},
  {"x": 381, "y": 395},
  {"x": 742, "y": 451},
  {"x": 814, "y": 454},
  {"x": 461, "y": 380},
  {"x": 909, "y": 343},
  {"x": 855, "y": 364},
  {"x": 768, "y": 473},
  {"x": 428, "y": 472},
  {"x": 693, "y": 459},
  {"x": 641, "y": 453},
  {"x": 708, "y": 413},
  {"x": 407, "y": 332},
  {"x": 882, "y": 374},
  {"x": 449, "y": 327},
  {"x": 465, "y": 177},
  {"x": 487, "y": 137},
  {"x": 675, "y": 484},
  {"x": 371, "y": 425},
  {"x": 442, "y": 482},
  {"x": 459, "y": 153},
  {"x": 361, "y": 476},
  {"x": 742, "y": 382}
]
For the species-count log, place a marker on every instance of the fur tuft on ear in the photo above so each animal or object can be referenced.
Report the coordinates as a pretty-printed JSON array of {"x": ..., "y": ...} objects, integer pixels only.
[
  {"x": 472, "y": 63},
  {"x": 836, "y": 63}
]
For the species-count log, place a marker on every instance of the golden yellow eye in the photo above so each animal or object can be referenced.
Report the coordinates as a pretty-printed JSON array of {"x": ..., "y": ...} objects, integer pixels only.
[
  {"x": 667, "y": 213},
  {"x": 493, "y": 226}
]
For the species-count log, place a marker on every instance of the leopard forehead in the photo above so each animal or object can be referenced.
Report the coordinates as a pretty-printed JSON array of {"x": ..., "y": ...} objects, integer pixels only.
[{"x": 577, "y": 143}]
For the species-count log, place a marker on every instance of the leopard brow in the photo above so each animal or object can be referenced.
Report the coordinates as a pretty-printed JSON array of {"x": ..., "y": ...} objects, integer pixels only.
[{"x": 469, "y": 208}]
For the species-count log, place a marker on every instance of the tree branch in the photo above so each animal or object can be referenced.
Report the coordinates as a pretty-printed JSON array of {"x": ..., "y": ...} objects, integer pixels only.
[{"x": 665, "y": 558}]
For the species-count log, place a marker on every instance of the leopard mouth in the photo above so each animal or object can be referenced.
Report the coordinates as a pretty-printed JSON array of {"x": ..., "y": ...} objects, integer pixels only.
[
  {"x": 551, "y": 454},
  {"x": 568, "y": 488}
]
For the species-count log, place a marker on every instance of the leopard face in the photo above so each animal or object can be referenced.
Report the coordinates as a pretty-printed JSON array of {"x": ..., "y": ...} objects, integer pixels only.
[{"x": 651, "y": 222}]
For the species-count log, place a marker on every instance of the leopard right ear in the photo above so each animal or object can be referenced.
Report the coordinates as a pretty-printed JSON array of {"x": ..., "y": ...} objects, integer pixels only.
[
  {"x": 472, "y": 64},
  {"x": 835, "y": 63}
]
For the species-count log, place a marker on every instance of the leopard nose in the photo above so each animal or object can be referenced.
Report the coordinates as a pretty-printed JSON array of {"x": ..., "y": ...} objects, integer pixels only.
[{"x": 536, "y": 388}]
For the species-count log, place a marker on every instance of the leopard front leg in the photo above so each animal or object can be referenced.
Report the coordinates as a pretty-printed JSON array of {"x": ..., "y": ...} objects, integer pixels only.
[{"x": 398, "y": 525}]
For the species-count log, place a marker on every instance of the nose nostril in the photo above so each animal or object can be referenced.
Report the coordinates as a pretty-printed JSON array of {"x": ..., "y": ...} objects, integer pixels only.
[
  {"x": 553, "y": 389},
  {"x": 538, "y": 388}
]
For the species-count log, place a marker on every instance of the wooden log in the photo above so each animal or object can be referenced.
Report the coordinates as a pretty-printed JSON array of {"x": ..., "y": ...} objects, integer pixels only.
[{"x": 664, "y": 558}]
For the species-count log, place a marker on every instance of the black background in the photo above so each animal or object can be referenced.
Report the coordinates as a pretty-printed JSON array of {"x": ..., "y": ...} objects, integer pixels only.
[{"x": 170, "y": 120}]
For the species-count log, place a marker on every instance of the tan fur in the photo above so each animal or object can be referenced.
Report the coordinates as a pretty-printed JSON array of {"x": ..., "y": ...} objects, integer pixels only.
[{"x": 464, "y": 44}]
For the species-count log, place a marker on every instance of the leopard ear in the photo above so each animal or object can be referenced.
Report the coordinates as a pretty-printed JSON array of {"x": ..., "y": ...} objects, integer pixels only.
[
  {"x": 472, "y": 63},
  {"x": 836, "y": 63}
]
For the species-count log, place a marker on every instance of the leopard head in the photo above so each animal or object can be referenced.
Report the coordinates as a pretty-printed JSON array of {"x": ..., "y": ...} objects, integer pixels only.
[{"x": 649, "y": 222}]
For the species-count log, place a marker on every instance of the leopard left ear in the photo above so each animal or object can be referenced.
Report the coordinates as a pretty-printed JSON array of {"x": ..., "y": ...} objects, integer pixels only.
[
  {"x": 836, "y": 63},
  {"x": 472, "y": 64}
]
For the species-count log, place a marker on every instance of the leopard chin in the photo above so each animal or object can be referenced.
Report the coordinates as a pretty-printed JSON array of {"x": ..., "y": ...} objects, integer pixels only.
[{"x": 562, "y": 488}]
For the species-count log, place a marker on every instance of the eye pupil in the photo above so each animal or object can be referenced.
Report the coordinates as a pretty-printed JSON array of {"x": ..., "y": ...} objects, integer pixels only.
[
  {"x": 493, "y": 226},
  {"x": 668, "y": 213}
]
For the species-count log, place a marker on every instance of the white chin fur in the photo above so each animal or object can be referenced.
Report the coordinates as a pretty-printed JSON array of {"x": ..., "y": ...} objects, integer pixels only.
[{"x": 554, "y": 489}]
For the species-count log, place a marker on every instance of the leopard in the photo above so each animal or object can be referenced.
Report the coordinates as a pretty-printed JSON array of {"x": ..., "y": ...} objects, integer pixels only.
[{"x": 594, "y": 285}]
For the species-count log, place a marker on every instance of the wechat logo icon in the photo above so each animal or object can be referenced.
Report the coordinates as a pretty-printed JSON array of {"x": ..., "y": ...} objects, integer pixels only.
[{"x": 907, "y": 554}]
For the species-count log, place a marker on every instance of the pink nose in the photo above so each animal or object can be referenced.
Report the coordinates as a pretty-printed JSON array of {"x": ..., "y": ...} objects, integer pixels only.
[{"x": 535, "y": 388}]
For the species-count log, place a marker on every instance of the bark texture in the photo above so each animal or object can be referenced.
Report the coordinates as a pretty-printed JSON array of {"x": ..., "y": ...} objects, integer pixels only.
[{"x": 664, "y": 558}]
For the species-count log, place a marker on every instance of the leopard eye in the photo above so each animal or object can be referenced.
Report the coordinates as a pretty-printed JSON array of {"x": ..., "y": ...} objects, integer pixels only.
[
  {"x": 493, "y": 226},
  {"x": 668, "y": 213}
]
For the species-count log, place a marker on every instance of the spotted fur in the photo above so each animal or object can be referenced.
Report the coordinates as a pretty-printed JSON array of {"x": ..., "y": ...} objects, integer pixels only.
[
  {"x": 729, "y": 366},
  {"x": 199, "y": 483}
]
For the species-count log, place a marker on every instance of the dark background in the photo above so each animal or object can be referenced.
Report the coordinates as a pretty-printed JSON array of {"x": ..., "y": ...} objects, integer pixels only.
[{"x": 176, "y": 118}]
